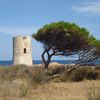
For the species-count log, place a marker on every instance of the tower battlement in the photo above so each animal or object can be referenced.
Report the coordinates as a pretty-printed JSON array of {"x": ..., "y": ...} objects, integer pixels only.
[{"x": 22, "y": 51}]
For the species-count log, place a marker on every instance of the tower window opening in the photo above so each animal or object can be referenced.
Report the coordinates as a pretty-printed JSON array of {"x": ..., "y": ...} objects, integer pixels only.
[
  {"x": 24, "y": 37},
  {"x": 24, "y": 50}
]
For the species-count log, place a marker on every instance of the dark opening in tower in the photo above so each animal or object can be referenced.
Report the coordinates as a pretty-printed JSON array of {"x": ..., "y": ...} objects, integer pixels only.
[{"x": 24, "y": 50}]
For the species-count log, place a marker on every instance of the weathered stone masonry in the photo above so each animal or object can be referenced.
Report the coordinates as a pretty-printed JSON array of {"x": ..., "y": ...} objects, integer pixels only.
[{"x": 22, "y": 51}]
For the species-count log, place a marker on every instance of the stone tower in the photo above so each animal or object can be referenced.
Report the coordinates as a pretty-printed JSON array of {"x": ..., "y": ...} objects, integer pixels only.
[{"x": 22, "y": 51}]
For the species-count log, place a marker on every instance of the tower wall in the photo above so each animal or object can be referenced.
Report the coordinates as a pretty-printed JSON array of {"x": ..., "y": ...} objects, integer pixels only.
[{"x": 22, "y": 51}]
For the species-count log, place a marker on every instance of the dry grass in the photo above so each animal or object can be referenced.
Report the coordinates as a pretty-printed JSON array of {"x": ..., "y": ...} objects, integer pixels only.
[
  {"x": 23, "y": 83},
  {"x": 63, "y": 91},
  {"x": 93, "y": 92},
  {"x": 13, "y": 90},
  {"x": 48, "y": 91}
]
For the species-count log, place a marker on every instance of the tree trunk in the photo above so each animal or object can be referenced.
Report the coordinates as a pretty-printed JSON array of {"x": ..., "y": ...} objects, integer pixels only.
[
  {"x": 46, "y": 67},
  {"x": 46, "y": 62}
]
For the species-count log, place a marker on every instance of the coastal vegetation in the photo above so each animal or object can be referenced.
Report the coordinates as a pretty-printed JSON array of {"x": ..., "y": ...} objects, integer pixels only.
[
  {"x": 31, "y": 83},
  {"x": 67, "y": 39},
  {"x": 78, "y": 81}
]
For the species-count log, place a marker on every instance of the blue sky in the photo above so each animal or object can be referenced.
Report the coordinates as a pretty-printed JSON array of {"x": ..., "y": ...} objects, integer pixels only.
[{"x": 21, "y": 17}]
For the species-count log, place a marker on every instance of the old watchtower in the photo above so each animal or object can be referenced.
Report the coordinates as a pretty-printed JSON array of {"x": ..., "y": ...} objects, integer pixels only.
[{"x": 22, "y": 51}]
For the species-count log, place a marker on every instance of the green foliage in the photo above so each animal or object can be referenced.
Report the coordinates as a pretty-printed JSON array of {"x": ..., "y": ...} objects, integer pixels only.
[
  {"x": 66, "y": 39},
  {"x": 62, "y": 35},
  {"x": 70, "y": 32},
  {"x": 94, "y": 42}
]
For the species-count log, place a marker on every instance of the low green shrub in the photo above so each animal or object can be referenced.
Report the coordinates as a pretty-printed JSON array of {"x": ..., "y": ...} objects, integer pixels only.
[
  {"x": 23, "y": 90},
  {"x": 55, "y": 70},
  {"x": 91, "y": 74},
  {"x": 38, "y": 76},
  {"x": 81, "y": 74}
]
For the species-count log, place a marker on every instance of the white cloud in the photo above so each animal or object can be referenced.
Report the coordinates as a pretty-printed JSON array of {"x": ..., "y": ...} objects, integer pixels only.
[
  {"x": 18, "y": 30},
  {"x": 92, "y": 7}
]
